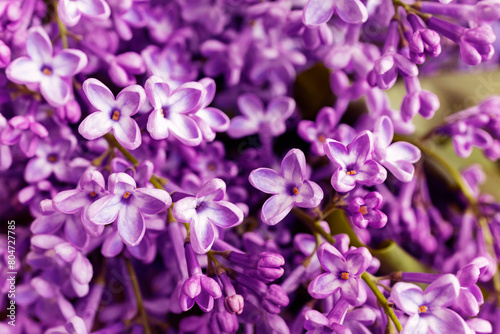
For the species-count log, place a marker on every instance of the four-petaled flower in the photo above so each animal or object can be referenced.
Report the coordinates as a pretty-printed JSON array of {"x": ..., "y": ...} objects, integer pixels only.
[
  {"x": 70, "y": 11},
  {"x": 317, "y": 12},
  {"x": 113, "y": 114},
  {"x": 206, "y": 210},
  {"x": 127, "y": 205},
  {"x": 51, "y": 72},
  {"x": 428, "y": 311},
  {"x": 353, "y": 164},
  {"x": 289, "y": 188},
  {"x": 342, "y": 273},
  {"x": 364, "y": 211}
]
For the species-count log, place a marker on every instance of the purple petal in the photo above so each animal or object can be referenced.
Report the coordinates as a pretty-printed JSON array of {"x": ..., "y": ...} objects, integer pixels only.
[
  {"x": 213, "y": 190},
  {"x": 47, "y": 224},
  {"x": 407, "y": 297},
  {"x": 342, "y": 182},
  {"x": 403, "y": 151},
  {"x": 442, "y": 292},
  {"x": 81, "y": 269},
  {"x": 280, "y": 107},
  {"x": 127, "y": 132},
  {"x": 241, "y": 126},
  {"x": 70, "y": 201},
  {"x": 267, "y": 180},
  {"x": 323, "y": 286},
  {"x": 215, "y": 118},
  {"x": 331, "y": 259},
  {"x": 293, "y": 166},
  {"x": 67, "y": 63},
  {"x": 416, "y": 325},
  {"x": 336, "y": 152},
  {"x": 75, "y": 232},
  {"x": 55, "y": 90},
  {"x": 371, "y": 173},
  {"x": 112, "y": 245},
  {"x": 130, "y": 100},
  {"x": 105, "y": 209},
  {"x": 96, "y": 125},
  {"x": 276, "y": 208},
  {"x": 151, "y": 201},
  {"x": 94, "y": 8},
  {"x": 184, "y": 209},
  {"x": 317, "y": 12},
  {"x": 23, "y": 70},
  {"x": 186, "y": 98},
  {"x": 131, "y": 225},
  {"x": 350, "y": 289},
  {"x": 352, "y": 11},
  {"x": 185, "y": 129},
  {"x": 68, "y": 12},
  {"x": 468, "y": 275},
  {"x": 310, "y": 195},
  {"x": 223, "y": 214},
  {"x": 467, "y": 302},
  {"x": 38, "y": 46},
  {"x": 99, "y": 95},
  {"x": 37, "y": 169},
  {"x": 444, "y": 320},
  {"x": 250, "y": 105},
  {"x": 358, "y": 260},
  {"x": 157, "y": 125},
  {"x": 202, "y": 235}
]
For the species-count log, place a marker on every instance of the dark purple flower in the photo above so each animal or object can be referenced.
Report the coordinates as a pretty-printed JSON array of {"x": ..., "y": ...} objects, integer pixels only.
[
  {"x": 353, "y": 163},
  {"x": 289, "y": 188},
  {"x": 364, "y": 211},
  {"x": 342, "y": 272}
]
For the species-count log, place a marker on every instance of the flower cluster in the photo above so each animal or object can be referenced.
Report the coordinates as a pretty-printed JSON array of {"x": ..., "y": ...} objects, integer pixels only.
[{"x": 236, "y": 166}]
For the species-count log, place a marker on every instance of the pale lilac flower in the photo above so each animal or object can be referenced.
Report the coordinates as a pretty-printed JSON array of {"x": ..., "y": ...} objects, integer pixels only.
[
  {"x": 428, "y": 311},
  {"x": 171, "y": 110},
  {"x": 342, "y": 272},
  {"x": 51, "y": 158},
  {"x": 206, "y": 210},
  {"x": 41, "y": 66},
  {"x": 127, "y": 205},
  {"x": 113, "y": 114},
  {"x": 353, "y": 164},
  {"x": 255, "y": 118},
  {"x": 317, "y": 12},
  {"x": 317, "y": 323},
  {"x": 289, "y": 188},
  {"x": 470, "y": 297},
  {"x": 70, "y": 11},
  {"x": 397, "y": 157}
]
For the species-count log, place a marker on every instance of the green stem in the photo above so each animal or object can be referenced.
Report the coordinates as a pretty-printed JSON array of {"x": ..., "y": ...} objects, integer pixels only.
[
  {"x": 382, "y": 300},
  {"x": 155, "y": 180},
  {"x": 63, "y": 31},
  {"x": 314, "y": 225},
  {"x": 138, "y": 297}
]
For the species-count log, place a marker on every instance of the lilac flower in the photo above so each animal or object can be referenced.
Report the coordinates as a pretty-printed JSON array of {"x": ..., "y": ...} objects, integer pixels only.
[
  {"x": 428, "y": 311},
  {"x": 398, "y": 157},
  {"x": 70, "y": 11},
  {"x": 423, "y": 41},
  {"x": 417, "y": 100},
  {"x": 342, "y": 272},
  {"x": 289, "y": 188},
  {"x": 353, "y": 164},
  {"x": 90, "y": 188},
  {"x": 317, "y": 323},
  {"x": 206, "y": 210},
  {"x": 470, "y": 297},
  {"x": 256, "y": 119},
  {"x": 50, "y": 158},
  {"x": 41, "y": 66},
  {"x": 113, "y": 114},
  {"x": 317, "y": 132},
  {"x": 171, "y": 110},
  {"x": 364, "y": 211},
  {"x": 317, "y": 12},
  {"x": 127, "y": 205}
]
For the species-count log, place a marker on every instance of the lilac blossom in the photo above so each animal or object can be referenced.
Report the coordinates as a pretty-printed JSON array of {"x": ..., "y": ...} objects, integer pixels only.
[
  {"x": 52, "y": 72},
  {"x": 113, "y": 115},
  {"x": 70, "y": 11},
  {"x": 206, "y": 210},
  {"x": 317, "y": 132},
  {"x": 289, "y": 188},
  {"x": 342, "y": 272},
  {"x": 127, "y": 205},
  {"x": 364, "y": 211},
  {"x": 317, "y": 12},
  {"x": 429, "y": 311},
  {"x": 353, "y": 163}
]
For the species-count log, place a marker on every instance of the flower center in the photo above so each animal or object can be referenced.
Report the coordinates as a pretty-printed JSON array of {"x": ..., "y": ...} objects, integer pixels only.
[
  {"x": 321, "y": 138},
  {"x": 211, "y": 166},
  {"x": 116, "y": 115},
  {"x": 93, "y": 194},
  {"x": 295, "y": 190},
  {"x": 344, "y": 275},
  {"x": 52, "y": 158},
  {"x": 363, "y": 210},
  {"x": 351, "y": 172},
  {"x": 422, "y": 309},
  {"x": 127, "y": 194},
  {"x": 46, "y": 70}
]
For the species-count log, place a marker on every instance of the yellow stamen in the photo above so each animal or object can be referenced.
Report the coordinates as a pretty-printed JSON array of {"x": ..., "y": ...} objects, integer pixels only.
[
  {"x": 351, "y": 172},
  {"x": 47, "y": 71},
  {"x": 162, "y": 112},
  {"x": 116, "y": 115},
  {"x": 93, "y": 194},
  {"x": 363, "y": 210},
  {"x": 344, "y": 276},
  {"x": 422, "y": 309},
  {"x": 321, "y": 138},
  {"x": 52, "y": 158},
  {"x": 127, "y": 195},
  {"x": 295, "y": 190}
]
